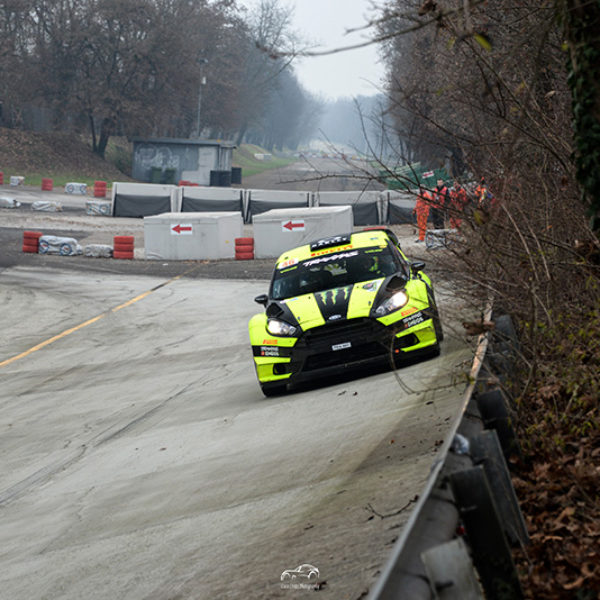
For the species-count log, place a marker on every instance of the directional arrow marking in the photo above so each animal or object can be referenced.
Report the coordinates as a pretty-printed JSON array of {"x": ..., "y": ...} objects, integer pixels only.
[
  {"x": 291, "y": 225},
  {"x": 181, "y": 228}
]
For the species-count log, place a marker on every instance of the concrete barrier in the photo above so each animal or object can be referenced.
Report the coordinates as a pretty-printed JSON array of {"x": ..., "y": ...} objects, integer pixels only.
[
  {"x": 198, "y": 235},
  {"x": 211, "y": 199},
  {"x": 398, "y": 207},
  {"x": 366, "y": 206},
  {"x": 279, "y": 230},
  {"x": 260, "y": 201},
  {"x": 143, "y": 199}
]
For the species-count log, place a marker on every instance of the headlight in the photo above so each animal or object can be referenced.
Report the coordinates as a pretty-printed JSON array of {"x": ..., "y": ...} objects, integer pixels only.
[
  {"x": 398, "y": 300},
  {"x": 280, "y": 328}
]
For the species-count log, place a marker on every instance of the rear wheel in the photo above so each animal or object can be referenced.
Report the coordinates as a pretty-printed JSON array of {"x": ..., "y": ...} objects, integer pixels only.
[{"x": 273, "y": 389}]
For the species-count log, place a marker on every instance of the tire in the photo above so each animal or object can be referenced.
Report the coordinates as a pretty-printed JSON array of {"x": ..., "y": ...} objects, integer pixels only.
[
  {"x": 273, "y": 389},
  {"x": 437, "y": 322},
  {"x": 43, "y": 247},
  {"x": 244, "y": 241},
  {"x": 123, "y": 239},
  {"x": 244, "y": 255},
  {"x": 66, "y": 250},
  {"x": 122, "y": 255},
  {"x": 32, "y": 236},
  {"x": 30, "y": 248},
  {"x": 123, "y": 247}
]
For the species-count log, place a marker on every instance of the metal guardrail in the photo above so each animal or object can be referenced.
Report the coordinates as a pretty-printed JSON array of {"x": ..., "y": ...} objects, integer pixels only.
[{"x": 456, "y": 543}]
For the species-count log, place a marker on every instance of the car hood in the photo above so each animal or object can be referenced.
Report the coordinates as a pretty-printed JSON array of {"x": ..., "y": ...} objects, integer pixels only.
[{"x": 337, "y": 304}]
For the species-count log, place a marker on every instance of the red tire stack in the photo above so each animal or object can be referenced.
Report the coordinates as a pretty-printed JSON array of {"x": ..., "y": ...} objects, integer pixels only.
[
  {"x": 47, "y": 184},
  {"x": 31, "y": 241},
  {"x": 1, "y": 178},
  {"x": 244, "y": 248},
  {"x": 123, "y": 246},
  {"x": 99, "y": 189}
]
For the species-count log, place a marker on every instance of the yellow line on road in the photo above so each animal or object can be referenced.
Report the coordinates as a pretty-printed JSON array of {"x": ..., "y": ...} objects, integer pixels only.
[{"x": 67, "y": 332}]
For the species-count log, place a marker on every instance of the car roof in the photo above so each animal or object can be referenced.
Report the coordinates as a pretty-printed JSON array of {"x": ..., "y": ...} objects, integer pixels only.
[{"x": 330, "y": 245}]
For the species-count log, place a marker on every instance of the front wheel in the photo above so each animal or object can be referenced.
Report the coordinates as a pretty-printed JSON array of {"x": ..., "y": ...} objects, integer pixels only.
[
  {"x": 435, "y": 315},
  {"x": 273, "y": 389}
]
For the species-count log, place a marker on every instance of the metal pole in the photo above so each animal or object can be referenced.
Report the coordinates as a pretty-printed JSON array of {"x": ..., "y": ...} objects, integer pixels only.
[{"x": 202, "y": 62}]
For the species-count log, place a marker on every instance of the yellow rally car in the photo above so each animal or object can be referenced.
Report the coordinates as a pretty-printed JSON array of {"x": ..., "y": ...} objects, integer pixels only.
[{"x": 340, "y": 302}]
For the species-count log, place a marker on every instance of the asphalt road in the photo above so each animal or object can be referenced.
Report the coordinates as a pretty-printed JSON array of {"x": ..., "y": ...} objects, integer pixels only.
[{"x": 140, "y": 459}]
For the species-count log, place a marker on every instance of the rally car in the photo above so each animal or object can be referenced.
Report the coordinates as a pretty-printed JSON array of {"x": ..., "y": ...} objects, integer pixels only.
[{"x": 341, "y": 302}]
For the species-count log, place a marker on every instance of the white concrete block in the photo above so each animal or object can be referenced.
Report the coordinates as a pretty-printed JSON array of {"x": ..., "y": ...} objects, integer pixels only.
[
  {"x": 278, "y": 230},
  {"x": 192, "y": 235}
]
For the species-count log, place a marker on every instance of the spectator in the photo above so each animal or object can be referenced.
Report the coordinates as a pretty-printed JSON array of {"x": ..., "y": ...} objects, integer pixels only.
[
  {"x": 439, "y": 205},
  {"x": 481, "y": 193},
  {"x": 421, "y": 209},
  {"x": 458, "y": 203}
]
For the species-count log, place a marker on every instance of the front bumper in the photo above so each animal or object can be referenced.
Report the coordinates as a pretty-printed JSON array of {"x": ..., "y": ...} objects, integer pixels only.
[{"x": 333, "y": 348}]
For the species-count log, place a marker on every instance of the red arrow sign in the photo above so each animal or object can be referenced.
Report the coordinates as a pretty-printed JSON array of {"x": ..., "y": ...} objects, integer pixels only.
[
  {"x": 291, "y": 225},
  {"x": 180, "y": 228}
]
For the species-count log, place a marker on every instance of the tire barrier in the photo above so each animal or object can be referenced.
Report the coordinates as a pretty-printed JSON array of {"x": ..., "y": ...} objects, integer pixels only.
[
  {"x": 64, "y": 246},
  {"x": 98, "y": 251},
  {"x": 1, "y": 178},
  {"x": 99, "y": 189},
  {"x": 47, "y": 184},
  {"x": 244, "y": 248},
  {"x": 7, "y": 202},
  {"x": 76, "y": 188},
  {"x": 46, "y": 206},
  {"x": 459, "y": 535},
  {"x": 123, "y": 247},
  {"x": 31, "y": 240},
  {"x": 97, "y": 207}
]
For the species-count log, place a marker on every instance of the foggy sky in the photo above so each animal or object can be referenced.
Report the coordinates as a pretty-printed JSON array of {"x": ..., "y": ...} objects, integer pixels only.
[{"x": 323, "y": 23}]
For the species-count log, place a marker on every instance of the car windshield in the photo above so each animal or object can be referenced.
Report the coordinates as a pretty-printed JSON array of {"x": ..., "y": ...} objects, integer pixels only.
[{"x": 332, "y": 270}]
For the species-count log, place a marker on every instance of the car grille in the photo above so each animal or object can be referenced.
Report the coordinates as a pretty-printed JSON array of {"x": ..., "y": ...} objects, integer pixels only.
[{"x": 368, "y": 339}]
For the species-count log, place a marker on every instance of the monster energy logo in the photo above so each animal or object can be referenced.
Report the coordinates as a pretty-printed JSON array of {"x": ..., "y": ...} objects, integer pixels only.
[{"x": 334, "y": 296}]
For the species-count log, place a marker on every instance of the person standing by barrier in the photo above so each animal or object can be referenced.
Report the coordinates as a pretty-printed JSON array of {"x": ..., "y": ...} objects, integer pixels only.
[
  {"x": 481, "y": 192},
  {"x": 439, "y": 205},
  {"x": 421, "y": 209},
  {"x": 458, "y": 203}
]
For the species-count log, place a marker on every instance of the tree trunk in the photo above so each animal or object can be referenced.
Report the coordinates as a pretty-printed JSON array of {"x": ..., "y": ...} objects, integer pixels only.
[
  {"x": 582, "y": 23},
  {"x": 105, "y": 133},
  {"x": 241, "y": 134}
]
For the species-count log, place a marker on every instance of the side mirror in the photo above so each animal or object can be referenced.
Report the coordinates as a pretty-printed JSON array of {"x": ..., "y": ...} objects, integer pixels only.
[
  {"x": 417, "y": 266},
  {"x": 262, "y": 299}
]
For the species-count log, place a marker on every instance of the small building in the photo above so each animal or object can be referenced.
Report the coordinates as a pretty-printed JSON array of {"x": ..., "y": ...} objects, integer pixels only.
[{"x": 171, "y": 160}]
